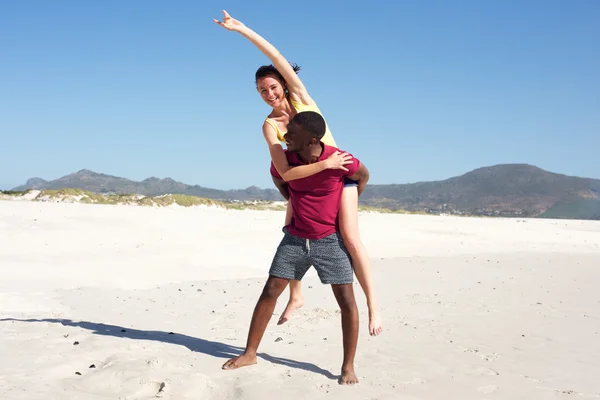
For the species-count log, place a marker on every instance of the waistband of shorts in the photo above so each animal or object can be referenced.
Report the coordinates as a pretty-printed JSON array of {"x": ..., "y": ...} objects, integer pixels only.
[{"x": 285, "y": 230}]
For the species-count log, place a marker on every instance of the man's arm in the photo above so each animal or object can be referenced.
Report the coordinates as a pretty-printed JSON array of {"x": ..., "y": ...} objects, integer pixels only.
[
  {"x": 361, "y": 176},
  {"x": 282, "y": 186}
]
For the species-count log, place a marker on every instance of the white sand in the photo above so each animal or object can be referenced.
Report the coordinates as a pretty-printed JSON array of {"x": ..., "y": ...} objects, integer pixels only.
[{"x": 473, "y": 308}]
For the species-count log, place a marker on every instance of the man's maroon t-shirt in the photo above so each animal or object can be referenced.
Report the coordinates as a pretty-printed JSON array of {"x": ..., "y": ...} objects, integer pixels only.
[{"x": 316, "y": 198}]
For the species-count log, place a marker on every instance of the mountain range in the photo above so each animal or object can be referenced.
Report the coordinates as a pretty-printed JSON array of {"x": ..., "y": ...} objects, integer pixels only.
[{"x": 500, "y": 190}]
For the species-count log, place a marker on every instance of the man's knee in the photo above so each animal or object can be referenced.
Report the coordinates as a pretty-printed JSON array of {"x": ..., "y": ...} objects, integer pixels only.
[
  {"x": 273, "y": 288},
  {"x": 345, "y": 297}
]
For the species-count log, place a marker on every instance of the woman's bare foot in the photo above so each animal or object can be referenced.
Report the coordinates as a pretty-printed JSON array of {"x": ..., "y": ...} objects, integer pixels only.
[
  {"x": 348, "y": 377},
  {"x": 375, "y": 327},
  {"x": 292, "y": 306},
  {"x": 240, "y": 361}
]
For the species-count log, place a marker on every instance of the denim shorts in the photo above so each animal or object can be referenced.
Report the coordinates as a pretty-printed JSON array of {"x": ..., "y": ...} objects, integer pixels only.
[{"x": 294, "y": 257}]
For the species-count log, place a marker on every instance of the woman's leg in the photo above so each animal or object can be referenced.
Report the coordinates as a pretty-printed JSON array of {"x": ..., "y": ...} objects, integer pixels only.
[
  {"x": 360, "y": 259},
  {"x": 296, "y": 299}
]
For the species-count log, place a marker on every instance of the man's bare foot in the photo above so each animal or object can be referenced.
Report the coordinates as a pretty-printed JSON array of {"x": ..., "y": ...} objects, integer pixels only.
[
  {"x": 375, "y": 327},
  {"x": 292, "y": 306},
  {"x": 348, "y": 377},
  {"x": 240, "y": 361}
]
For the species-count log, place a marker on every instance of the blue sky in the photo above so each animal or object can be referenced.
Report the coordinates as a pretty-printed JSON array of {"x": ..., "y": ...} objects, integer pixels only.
[{"x": 417, "y": 90}]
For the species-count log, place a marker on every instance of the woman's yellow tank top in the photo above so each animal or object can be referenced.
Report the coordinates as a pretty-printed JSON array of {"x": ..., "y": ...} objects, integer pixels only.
[{"x": 299, "y": 107}]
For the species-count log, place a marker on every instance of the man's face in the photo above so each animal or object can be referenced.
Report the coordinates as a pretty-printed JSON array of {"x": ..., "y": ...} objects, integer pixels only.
[{"x": 297, "y": 138}]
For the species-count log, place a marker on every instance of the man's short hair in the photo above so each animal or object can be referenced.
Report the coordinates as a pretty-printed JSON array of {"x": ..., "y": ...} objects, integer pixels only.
[{"x": 313, "y": 122}]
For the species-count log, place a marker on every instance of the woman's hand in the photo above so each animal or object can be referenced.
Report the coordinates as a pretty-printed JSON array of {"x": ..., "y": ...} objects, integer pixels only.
[
  {"x": 229, "y": 23},
  {"x": 337, "y": 161}
]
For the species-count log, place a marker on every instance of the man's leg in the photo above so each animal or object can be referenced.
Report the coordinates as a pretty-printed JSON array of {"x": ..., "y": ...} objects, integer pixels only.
[
  {"x": 332, "y": 262},
  {"x": 344, "y": 294},
  {"x": 260, "y": 319},
  {"x": 296, "y": 298}
]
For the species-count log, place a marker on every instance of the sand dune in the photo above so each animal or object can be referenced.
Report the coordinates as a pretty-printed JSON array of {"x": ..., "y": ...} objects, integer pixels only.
[{"x": 121, "y": 302}]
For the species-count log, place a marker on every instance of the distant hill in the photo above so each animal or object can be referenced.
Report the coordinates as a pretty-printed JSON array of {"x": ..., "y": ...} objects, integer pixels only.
[
  {"x": 500, "y": 190},
  {"x": 507, "y": 189},
  {"x": 35, "y": 183}
]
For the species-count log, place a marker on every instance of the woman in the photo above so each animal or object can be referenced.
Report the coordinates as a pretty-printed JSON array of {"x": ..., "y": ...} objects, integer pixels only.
[{"x": 280, "y": 87}]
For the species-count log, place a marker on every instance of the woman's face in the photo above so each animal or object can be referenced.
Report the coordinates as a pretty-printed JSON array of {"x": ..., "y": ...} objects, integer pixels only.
[{"x": 271, "y": 91}]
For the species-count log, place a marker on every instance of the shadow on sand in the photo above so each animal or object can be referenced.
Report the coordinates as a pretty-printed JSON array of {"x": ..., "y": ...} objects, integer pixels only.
[{"x": 215, "y": 349}]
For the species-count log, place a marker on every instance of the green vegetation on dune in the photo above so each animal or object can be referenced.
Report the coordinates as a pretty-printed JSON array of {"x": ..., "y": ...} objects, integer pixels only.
[
  {"x": 93, "y": 198},
  {"x": 178, "y": 199},
  {"x": 13, "y": 192},
  {"x": 83, "y": 196},
  {"x": 79, "y": 195},
  {"x": 382, "y": 210},
  {"x": 64, "y": 192},
  {"x": 187, "y": 201},
  {"x": 255, "y": 206}
]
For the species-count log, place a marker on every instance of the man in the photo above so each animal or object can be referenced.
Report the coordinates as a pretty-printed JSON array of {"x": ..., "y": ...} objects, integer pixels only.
[{"x": 311, "y": 238}]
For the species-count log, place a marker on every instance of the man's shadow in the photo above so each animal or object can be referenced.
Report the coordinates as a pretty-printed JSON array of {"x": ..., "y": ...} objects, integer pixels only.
[{"x": 215, "y": 349}]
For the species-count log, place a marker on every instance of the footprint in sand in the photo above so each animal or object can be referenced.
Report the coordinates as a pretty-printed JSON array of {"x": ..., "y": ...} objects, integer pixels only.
[
  {"x": 486, "y": 357},
  {"x": 317, "y": 315},
  {"x": 487, "y": 371},
  {"x": 531, "y": 379},
  {"x": 126, "y": 376},
  {"x": 488, "y": 389},
  {"x": 324, "y": 387},
  {"x": 490, "y": 357}
]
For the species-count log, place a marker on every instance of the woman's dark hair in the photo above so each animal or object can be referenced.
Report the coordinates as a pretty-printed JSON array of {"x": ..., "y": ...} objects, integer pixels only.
[{"x": 270, "y": 70}]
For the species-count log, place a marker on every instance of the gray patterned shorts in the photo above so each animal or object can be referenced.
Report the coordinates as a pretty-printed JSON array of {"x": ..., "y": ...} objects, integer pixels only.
[{"x": 328, "y": 255}]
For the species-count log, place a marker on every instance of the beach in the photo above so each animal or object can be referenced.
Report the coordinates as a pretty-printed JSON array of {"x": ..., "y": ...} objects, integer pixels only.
[{"x": 131, "y": 302}]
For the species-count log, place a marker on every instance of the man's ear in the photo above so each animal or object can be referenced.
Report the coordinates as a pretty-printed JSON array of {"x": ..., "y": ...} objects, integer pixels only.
[{"x": 314, "y": 141}]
